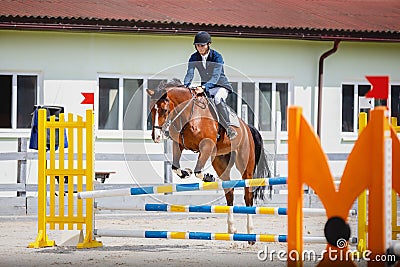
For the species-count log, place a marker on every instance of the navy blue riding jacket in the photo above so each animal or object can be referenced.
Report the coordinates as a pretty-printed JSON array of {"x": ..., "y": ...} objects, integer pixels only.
[{"x": 211, "y": 76}]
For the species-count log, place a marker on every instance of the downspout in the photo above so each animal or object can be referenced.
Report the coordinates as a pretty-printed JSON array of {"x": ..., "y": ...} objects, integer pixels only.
[{"x": 320, "y": 83}]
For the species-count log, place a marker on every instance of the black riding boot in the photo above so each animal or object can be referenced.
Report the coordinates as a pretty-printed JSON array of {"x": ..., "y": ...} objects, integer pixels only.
[{"x": 224, "y": 120}]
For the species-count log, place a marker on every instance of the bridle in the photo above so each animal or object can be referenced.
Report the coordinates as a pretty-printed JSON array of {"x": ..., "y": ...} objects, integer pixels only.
[
  {"x": 156, "y": 118},
  {"x": 165, "y": 127}
]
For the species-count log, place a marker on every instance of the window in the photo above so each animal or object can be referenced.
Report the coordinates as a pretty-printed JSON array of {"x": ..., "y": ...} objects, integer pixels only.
[
  {"x": 268, "y": 92},
  {"x": 133, "y": 101},
  {"x": 347, "y": 108},
  {"x": 260, "y": 102},
  {"x": 352, "y": 105},
  {"x": 128, "y": 91},
  {"x": 19, "y": 96},
  {"x": 395, "y": 102},
  {"x": 232, "y": 98},
  {"x": 265, "y": 102},
  {"x": 253, "y": 101},
  {"x": 108, "y": 103},
  {"x": 248, "y": 101},
  {"x": 282, "y": 102},
  {"x": 6, "y": 101}
]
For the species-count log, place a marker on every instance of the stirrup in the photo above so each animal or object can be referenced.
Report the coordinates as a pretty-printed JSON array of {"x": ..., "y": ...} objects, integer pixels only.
[{"x": 231, "y": 133}]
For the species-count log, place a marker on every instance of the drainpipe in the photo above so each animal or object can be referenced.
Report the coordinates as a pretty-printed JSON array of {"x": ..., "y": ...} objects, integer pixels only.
[{"x": 320, "y": 82}]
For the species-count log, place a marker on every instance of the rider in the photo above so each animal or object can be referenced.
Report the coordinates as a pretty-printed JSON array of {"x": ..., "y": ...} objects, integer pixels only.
[{"x": 209, "y": 64}]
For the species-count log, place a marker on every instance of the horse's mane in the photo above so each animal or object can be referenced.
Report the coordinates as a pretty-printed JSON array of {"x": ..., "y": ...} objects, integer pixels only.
[
  {"x": 162, "y": 88},
  {"x": 175, "y": 82}
]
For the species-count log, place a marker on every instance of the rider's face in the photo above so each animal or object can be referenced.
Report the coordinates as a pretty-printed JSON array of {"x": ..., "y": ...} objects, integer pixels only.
[{"x": 202, "y": 48}]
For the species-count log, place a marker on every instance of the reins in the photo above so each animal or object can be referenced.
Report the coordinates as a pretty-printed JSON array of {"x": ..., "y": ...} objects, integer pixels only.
[
  {"x": 170, "y": 121},
  {"x": 167, "y": 124}
]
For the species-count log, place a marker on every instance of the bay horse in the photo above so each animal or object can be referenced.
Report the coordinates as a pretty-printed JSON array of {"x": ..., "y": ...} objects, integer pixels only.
[{"x": 188, "y": 120}]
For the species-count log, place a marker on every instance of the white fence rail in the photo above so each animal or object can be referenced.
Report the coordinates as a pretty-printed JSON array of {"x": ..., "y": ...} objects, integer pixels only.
[{"x": 23, "y": 155}]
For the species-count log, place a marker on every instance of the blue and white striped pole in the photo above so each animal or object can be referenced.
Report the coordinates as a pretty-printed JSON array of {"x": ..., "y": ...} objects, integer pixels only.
[
  {"x": 214, "y": 209},
  {"x": 202, "y": 236},
  {"x": 160, "y": 189}
]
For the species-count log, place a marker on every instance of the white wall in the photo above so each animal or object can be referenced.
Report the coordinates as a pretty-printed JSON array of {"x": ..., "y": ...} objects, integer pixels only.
[{"x": 69, "y": 63}]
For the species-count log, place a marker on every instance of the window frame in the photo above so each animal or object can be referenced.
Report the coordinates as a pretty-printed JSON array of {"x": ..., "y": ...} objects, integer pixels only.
[
  {"x": 390, "y": 99},
  {"x": 120, "y": 132},
  {"x": 352, "y": 136},
  {"x": 267, "y": 135},
  {"x": 14, "y": 103},
  {"x": 145, "y": 133}
]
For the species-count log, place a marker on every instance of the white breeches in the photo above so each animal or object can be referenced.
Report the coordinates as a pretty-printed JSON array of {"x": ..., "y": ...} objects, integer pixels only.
[{"x": 219, "y": 93}]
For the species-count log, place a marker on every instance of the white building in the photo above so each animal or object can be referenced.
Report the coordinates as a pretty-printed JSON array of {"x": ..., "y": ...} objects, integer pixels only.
[{"x": 51, "y": 51}]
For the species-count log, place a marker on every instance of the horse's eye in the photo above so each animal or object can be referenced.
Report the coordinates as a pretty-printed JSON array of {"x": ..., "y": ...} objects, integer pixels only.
[{"x": 163, "y": 111}]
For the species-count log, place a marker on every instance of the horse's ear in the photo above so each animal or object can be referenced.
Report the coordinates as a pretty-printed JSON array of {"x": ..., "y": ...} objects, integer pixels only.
[{"x": 150, "y": 92}]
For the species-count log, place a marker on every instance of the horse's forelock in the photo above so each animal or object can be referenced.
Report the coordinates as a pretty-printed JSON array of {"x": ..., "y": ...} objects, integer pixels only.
[
  {"x": 160, "y": 93},
  {"x": 175, "y": 82}
]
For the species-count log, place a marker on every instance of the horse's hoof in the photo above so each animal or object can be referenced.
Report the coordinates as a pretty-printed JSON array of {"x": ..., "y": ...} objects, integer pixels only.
[
  {"x": 232, "y": 230},
  {"x": 188, "y": 172},
  {"x": 251, "y": 242},
  {"x": 199, "y": 175},
  {"x": 185, "y": 174},
  {"x": 208, "y": 178}
]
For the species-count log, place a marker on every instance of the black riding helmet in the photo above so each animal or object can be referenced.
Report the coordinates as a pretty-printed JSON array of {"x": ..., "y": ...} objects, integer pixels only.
[{"x": 202, "y": 38}]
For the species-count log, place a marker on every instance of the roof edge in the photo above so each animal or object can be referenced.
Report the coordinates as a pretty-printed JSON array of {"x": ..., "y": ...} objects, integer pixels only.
[{"x": 126, "y": 26}]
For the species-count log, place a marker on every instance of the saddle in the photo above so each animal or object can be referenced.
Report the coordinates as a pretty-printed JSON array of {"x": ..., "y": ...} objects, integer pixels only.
[{"x": 234, "y": 119}]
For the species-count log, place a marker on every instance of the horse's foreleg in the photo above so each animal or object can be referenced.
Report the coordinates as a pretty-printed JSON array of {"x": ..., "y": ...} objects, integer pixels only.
[
  {"x": 206, "y": 147},
  {"x": 176, "y": 156}
]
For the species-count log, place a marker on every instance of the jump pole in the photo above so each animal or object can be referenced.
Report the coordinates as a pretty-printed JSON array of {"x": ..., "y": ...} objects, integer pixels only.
[
  {"x": 215, "y": 209},
  {"x": 201, "y": 236},
  {"x": 160, "y": 189}
]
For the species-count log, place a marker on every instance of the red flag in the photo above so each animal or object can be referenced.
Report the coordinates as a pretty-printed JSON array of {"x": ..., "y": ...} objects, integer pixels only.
[
  {"x": 380, "y": 87},
  {"x": 89, "y": 99}
]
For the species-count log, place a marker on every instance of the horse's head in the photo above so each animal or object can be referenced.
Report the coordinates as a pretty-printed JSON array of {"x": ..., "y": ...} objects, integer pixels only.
[
  {"x": 162, "y": 103},
  {"x": 160, "y": 108}
]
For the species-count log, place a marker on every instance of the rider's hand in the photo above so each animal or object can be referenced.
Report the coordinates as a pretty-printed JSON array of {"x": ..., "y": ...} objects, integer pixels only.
[{"x": 199, "y": 90}]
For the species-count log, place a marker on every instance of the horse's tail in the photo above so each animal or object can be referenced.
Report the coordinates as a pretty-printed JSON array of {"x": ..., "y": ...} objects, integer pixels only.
[{"x": 261, "y": 168}]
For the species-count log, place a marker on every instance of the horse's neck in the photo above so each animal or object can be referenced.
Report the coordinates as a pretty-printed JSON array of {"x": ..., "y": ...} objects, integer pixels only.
[
  {"x": 183, "y": 99},
  {"x": 179, "y": 96}
]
